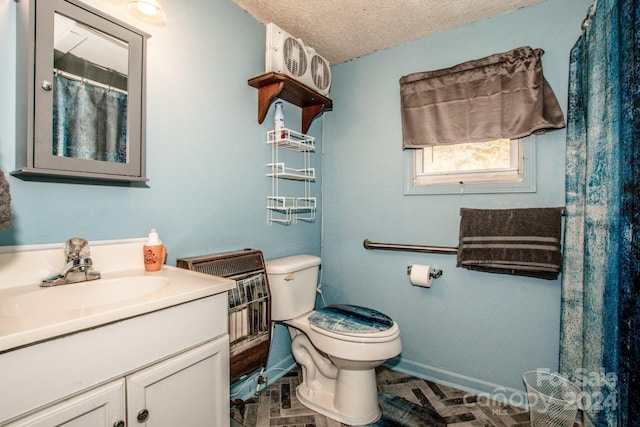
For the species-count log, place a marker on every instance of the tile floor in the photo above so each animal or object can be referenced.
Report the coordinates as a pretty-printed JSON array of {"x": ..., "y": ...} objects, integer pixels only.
[{"x": 277, "y": 405}]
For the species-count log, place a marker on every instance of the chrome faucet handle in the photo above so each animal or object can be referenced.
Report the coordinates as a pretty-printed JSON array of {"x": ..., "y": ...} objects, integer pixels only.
[
  {"x": 81, "y": 264},
  {"x": 76, "y": 248}
]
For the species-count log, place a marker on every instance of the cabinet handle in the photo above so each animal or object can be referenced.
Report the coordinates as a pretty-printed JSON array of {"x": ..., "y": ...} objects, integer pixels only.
[
  {"x": 46, "y": 85},
  {"x": 119, "y": 423},
  {"x": 143, "y": 414}
]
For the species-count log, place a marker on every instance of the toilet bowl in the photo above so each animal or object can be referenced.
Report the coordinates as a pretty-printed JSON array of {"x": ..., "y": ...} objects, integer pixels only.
[{"x": 338, "y": 347}]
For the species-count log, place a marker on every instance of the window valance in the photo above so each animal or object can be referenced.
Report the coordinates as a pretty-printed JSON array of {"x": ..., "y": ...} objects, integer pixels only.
[{"x": 501, "y": 96}]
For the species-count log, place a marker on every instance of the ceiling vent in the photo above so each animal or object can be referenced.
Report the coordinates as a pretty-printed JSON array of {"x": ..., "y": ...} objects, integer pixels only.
[{"x": 288, "y": 55}]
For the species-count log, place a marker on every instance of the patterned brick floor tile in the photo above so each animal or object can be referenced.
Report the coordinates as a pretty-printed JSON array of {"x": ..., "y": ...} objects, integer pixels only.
[{"x": 278, "y": 405}]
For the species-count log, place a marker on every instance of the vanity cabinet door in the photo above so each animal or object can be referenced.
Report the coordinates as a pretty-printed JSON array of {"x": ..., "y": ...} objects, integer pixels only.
[
  {"x": 190, "y": 389},
  {"x": 100, "y": 407}
]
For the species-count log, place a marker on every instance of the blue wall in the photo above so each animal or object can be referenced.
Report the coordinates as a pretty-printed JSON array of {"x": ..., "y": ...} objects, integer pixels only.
[
  {"x": 206, "y": 151},
  {"x": 476, "y": 330},
  {"x": 206, "y": 162}
]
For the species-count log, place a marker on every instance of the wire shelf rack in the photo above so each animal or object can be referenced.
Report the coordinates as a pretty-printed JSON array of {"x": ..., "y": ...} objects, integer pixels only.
[{"x": 286, "y": 209}]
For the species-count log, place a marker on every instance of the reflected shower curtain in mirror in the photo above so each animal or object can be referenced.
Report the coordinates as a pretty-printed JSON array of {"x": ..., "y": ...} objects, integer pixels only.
[
  {"x": 89, "y": 122},
  {"x": 600, "y": 324}
]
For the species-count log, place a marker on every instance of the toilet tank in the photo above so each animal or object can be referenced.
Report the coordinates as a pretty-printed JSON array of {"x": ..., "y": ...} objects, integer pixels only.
[{"x": 292, "y": 281}]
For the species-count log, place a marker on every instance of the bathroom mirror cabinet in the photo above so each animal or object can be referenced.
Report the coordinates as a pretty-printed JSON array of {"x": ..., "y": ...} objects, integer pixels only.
[{"x": 80, "y": 105}]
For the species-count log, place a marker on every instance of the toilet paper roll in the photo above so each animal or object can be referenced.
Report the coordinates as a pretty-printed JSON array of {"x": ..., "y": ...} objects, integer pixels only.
[{"x": 421, "y": 275}]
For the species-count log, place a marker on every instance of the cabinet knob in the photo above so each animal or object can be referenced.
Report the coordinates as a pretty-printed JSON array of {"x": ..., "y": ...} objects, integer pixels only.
[
  {"x": 46, "y": 85},
  {"x": 119, "y": 423},
  {"x": 143, "y": 414}
]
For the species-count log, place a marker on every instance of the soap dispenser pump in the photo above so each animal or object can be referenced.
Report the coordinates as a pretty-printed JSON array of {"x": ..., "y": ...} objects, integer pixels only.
[{"x": 154, "y": 252}]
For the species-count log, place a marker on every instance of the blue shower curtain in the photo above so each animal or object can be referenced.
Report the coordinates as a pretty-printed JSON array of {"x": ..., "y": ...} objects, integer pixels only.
[
  {"x": 89, "y": 122},
  {"x": 599, "y": 345}
]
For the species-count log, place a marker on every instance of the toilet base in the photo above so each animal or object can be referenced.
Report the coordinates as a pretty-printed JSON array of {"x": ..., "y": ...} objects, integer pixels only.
[{"x": 342, "y": 406}]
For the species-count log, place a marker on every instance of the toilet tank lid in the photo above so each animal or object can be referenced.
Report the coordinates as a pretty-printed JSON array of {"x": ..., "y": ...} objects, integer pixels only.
[{"x": 291, "y": 264}]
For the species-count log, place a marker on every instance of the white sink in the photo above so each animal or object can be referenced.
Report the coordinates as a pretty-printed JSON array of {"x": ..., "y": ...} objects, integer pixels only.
[
  {"x": 81, "y": 296},
  {"x": 30, "y": 314}
]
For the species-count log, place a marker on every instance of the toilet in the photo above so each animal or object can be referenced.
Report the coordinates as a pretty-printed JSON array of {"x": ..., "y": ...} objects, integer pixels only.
[{"x": 338, "y": 347}]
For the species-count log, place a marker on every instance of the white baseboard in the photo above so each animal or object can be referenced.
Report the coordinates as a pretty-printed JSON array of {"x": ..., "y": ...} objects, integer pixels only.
[
  {"x": 475, "y": 386},
  {"x": 246, "y": 387}
]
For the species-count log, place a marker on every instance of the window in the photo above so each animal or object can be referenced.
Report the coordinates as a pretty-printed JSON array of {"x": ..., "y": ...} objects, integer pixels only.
[
  {"x": 497, "y": 166},
  {"x": 497, "y": 160}
]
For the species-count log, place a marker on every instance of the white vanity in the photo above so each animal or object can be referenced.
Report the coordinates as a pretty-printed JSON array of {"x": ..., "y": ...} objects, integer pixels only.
[{"x": 131, "y": 349}]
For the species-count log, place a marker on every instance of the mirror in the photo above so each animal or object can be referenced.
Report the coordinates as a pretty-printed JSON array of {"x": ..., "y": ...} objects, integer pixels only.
[
  {"x": 89, "y": 93},
  {"x": 87, "y": 117}
]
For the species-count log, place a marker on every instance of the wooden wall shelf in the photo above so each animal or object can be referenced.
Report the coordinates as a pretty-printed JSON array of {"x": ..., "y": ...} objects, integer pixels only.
[{"x": 272, "y": 85}]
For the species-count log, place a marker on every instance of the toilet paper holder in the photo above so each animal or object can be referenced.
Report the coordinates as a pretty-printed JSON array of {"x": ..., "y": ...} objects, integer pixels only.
[{"x": 434, "y": 274}]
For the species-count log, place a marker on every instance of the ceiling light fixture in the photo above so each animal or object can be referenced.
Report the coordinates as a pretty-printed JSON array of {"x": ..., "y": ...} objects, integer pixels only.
[{"x": 148, "y": 10}]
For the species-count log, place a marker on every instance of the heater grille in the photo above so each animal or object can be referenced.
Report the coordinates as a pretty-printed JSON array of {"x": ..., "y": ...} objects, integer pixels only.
[{"x": 249, "y": 305}]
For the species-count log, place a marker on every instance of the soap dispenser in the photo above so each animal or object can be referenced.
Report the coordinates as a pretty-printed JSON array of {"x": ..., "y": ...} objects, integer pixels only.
[{"x": 154, "y": 252}]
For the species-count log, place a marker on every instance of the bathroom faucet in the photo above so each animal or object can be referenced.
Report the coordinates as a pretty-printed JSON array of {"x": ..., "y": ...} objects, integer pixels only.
[{"x": 78, "y": 267}]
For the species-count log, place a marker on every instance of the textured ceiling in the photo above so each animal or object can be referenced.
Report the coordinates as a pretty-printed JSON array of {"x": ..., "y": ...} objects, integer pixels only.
[{"x": 340, "y": 30}]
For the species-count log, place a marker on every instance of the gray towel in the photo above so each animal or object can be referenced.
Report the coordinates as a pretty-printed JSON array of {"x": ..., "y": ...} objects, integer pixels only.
[
  {"x": 524, "y": 242},
  {"x": 5, "y": 203}
]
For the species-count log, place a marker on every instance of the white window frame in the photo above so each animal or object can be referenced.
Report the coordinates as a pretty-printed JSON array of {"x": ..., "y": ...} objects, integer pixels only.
[{"x": 505, "y": 181}]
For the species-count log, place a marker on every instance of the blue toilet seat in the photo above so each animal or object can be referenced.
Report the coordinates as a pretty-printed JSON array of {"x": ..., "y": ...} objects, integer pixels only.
[{"x": 350, "y": 320}]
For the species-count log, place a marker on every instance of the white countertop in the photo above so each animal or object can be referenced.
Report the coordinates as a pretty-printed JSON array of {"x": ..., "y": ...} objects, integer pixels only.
[
  {"x": 28, "y": 327},
  {"x": 54, "y": 311}
]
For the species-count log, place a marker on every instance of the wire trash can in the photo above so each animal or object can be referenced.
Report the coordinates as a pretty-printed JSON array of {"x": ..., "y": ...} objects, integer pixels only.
[{"x": 553, "y": 400}]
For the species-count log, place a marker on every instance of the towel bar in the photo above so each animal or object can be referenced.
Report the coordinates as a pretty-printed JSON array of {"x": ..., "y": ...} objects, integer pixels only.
[{"x": 368, "y": 244}]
